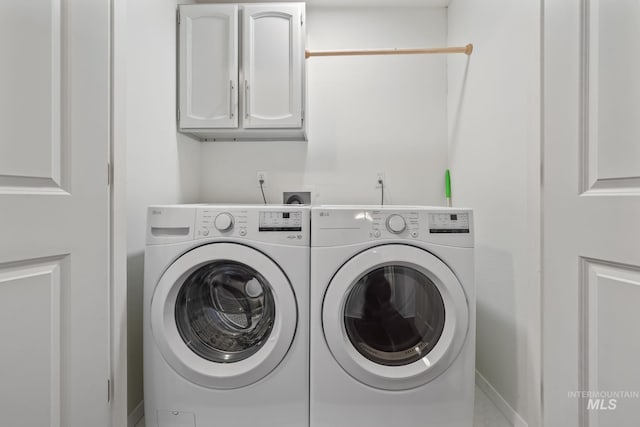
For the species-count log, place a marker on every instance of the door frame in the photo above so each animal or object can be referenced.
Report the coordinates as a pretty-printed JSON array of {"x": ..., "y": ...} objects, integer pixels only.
[{"x": 118, "y": 215}]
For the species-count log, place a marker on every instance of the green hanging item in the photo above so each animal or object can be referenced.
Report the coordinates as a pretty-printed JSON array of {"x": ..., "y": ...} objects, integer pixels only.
[{"x": 447, "y": 187}]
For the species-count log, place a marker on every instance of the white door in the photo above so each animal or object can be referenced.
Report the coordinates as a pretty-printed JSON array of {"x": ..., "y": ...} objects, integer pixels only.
[
  {"x": 272, "y": 59},
  {"x": 54, "y": 204},
  {"x": 591, "y": 216},
  {"x": 208, "y": 66}
]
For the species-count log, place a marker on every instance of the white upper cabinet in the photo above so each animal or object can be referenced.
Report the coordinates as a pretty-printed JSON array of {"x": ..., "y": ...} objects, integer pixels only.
[
  {"x": 209, "y": 66},
  {"x": 272, "y": 63},
  {"x": 241, "y": 81}
]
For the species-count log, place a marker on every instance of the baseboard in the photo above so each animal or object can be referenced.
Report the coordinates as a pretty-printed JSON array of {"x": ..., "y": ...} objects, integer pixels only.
[
  {"x": 503, "y": 406},
  {"x": 136, "y": 415}
]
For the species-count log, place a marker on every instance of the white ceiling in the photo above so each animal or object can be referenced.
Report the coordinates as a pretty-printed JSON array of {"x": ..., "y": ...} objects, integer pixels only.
[{"x": 353, "y": 3}]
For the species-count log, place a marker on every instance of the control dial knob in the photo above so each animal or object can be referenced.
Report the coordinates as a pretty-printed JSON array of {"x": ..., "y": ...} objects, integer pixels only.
[
  {"x": 224, "y": 221},
  {"x": 396, "y": 224}
]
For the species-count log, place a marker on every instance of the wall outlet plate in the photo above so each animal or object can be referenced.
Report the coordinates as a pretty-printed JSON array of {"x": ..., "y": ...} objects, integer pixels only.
[
  {"x": 261, "y": 175},
  {"x": 296, "y": 197}
]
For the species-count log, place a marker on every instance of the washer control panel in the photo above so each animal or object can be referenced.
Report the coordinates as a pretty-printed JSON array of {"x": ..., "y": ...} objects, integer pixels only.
[
  {"x": 280, "y": 221},
  {"x": 269, "y": 224},
  {"x": 279, "y": 224},
  {"x": 210, "y": 222}
]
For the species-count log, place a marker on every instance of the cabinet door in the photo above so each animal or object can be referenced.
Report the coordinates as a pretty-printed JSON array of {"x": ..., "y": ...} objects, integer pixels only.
[
  {"x": 208, "y": 66},
  {"x": 272, "y": 58}
]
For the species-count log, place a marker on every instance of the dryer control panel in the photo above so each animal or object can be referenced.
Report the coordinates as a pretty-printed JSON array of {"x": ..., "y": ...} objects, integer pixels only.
[
  {"x": 280, "y": 221},
  {"x": 449, "y": 222},
  {"x": 335, "y": 226}
]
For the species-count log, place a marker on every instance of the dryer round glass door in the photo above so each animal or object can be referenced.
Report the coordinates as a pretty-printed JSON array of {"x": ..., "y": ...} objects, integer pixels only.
[
  {"x": 223, "y": 315},
  {"x": 395, "y": 317}
]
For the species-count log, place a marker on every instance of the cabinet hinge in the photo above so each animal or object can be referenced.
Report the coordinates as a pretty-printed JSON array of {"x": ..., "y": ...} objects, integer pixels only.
[
  {"x": 178, "y": 115},
  {"x": 108, "y": 390},
  {"x": 178, "y": 18},
  {"x": 301, "y": 20},
  {"x": 109, "y": 174}
]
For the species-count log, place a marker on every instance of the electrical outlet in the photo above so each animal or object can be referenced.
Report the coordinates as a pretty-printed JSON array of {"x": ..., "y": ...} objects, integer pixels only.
[
  {"x": 380, "y": 177},
  {"x": 261, "y": 175}
]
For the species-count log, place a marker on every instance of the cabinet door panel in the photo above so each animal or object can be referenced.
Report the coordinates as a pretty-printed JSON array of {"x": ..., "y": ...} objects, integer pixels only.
[
  {"x": 272, "y": 65},
  {"x": 209, "y": 66}
]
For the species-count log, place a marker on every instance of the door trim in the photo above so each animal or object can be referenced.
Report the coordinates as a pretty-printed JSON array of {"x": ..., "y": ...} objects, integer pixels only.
[{"x": 118, "y": 215}]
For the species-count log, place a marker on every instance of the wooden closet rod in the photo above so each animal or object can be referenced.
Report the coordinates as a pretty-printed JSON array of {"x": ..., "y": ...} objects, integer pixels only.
[{"x": 463, "y": 49}]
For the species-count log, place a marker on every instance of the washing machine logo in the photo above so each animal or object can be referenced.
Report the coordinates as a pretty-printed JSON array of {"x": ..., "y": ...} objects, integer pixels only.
[
  {"x": 294, "y": 236},
  {"x": 156, "y": 212},
  {"x": 324, "y": 213}
]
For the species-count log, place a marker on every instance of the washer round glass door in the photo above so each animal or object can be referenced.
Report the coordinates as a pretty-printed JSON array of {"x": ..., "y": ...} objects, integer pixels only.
[
  {"x": 395, "y": 317},
  {"x": 223, "y": 315},
  {"x": 225, "y": 311}
]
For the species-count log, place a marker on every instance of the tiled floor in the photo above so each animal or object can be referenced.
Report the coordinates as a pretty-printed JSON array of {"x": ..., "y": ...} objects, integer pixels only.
[{"x": 486, "y": 414}]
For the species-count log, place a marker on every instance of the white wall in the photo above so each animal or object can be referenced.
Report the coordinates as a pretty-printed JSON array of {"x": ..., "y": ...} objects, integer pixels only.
[
  {"x": 494, "y": 153},
  {"x": 366, "y": 114},
  {"x": 370, "y": 114},
  {"x": 161, "y": 166}
]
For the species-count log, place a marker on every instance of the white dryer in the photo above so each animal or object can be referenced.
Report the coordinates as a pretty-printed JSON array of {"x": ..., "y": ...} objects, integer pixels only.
[
  {"x": 226, "y": 316},
  {"x": 392, "y": 317}
]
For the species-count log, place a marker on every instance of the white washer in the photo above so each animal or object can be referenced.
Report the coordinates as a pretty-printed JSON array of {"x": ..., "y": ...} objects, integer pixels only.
[
  {"x": 226, "y": 296},
  {"x": 392, "y": 317}
]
